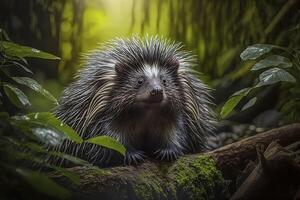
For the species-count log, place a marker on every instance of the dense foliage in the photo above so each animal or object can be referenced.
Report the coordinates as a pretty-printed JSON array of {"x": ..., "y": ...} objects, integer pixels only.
[
  {"x": 276, "y": 64},
  {"x": 28, "y": 139}
]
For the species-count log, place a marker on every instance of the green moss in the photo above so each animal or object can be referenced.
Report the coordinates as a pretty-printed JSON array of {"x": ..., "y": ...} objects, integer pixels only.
[
  {"x": 199, "y": 178},
  {"x": 147, "y": 187},
  {"x": 143, "y": 192}
]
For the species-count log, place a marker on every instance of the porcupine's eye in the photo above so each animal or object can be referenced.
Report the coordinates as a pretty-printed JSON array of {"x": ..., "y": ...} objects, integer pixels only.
[
  {"x": 140, "y": 81},
  {"x": 164, "y": 81}
]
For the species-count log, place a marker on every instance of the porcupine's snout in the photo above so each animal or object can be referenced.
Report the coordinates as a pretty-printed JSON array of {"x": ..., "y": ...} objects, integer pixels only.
[
  {"x": 150, "y": 91},
  {"x": 156, "y": 93}
]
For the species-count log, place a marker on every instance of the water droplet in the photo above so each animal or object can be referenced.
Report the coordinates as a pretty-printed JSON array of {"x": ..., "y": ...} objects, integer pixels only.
[{"x": 35, "y": 50}]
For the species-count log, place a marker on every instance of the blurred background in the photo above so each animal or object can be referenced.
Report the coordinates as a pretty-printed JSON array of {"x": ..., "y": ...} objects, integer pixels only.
[{"x": 216, "y": 31}]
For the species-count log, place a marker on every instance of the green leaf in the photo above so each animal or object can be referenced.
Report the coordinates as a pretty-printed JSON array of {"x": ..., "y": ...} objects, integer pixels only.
[
  {"x": 272, "y": 61},
  {"x": 229, "y": 105},
  {"x": 47, "y": 135},
  {"x": 50, "y": 120},
  {"x": 242, "y": 91},
  {"x": 4, "y": 34},
  {"x": 255, "y": 51},
  {"x": 108, "y": 142},
  {"x": 22, "y": 66},
  {"x": 38, "y": 130},
  {"x": 70, "y": 158},
  {"x": 16, "y": 50},
  {"x": 233, "y": 101},
  {"x": 275, "y": 75},
  {"x": 250, "y": 103},
  {"x": 19, "y": 155},
  {"x": 79, "y": 161},
  {"x": 35, "y": 147},
  {"x": 16, "y": 96},
  {"x": 32, "y": 84},
  {"x": 44, "y": 184}
]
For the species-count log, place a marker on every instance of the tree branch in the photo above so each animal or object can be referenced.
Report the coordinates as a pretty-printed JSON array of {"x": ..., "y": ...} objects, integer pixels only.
[{"x": 197, "y": 176}]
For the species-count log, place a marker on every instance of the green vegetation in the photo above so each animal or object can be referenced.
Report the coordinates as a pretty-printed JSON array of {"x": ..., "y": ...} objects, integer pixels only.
[
  {"x": 28, "y": 139},
  {"x": 201, "y": 174},
  {"x": 200, "y": 177},
  {"x": 247, "y": 51},
  {"x": 276, "y": 64}
]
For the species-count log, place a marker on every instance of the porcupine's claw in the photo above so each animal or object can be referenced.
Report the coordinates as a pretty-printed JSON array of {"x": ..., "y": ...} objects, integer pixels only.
[
  {"x": 168, "y": 154},
  {"x": 134, "y": 157}
]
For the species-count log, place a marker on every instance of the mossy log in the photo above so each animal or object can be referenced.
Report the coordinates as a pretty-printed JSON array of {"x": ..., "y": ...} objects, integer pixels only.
[{"x": 198, "y": 176}]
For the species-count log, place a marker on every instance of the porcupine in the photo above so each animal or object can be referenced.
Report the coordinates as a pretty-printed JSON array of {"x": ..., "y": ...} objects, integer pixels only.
[{"x": 144, "y": 93}]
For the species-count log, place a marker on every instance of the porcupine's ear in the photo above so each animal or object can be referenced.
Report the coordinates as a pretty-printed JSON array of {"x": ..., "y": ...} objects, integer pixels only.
[
  {"x": 173, "y": 64},
  {"x": 119, "y": 68}
]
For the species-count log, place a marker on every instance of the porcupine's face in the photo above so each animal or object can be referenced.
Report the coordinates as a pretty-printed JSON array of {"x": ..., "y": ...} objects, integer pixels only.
[{"x": 151, "y": 86}]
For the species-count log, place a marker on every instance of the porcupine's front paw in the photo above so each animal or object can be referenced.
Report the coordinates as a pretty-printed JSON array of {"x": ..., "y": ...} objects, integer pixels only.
[
  {"x": 168, "y": 154},
  {"x": 134, "y": 157}
]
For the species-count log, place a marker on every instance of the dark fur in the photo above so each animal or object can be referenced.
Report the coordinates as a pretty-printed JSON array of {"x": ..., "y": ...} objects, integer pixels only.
[{"x": 102, "y": 102}]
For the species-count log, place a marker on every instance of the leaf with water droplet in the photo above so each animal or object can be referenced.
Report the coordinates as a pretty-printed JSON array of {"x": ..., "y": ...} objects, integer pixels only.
[
  {"x": 15, "y": 50},
  {"x": 38, "y": 130},
  {"x": 31, "y": 83},
  {"x": 275, "y": 75},
  {"x": 35, "y": 50},
  {"x": 46, "y": 127},
  {"x": 50, "y": 120},
  {"x": 255, "y": 51},
  {"x": 16, "y": 96},
  {"x": 45, "y": 134},
  {"x": 272, "y": 61}
]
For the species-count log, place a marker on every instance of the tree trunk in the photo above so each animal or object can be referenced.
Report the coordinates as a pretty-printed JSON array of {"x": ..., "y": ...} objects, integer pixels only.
[{"x": 198, "y": 176}]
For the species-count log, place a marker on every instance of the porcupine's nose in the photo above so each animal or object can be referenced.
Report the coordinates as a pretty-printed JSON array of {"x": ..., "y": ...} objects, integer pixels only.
[
  {"x": 156, "y": 94},
  {"x": 156, "y": 91}
]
